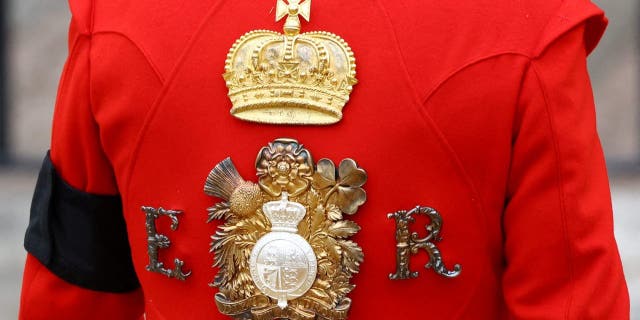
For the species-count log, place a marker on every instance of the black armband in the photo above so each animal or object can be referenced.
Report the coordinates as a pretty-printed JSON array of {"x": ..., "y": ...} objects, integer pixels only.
[{"x": 80, "y": 237}]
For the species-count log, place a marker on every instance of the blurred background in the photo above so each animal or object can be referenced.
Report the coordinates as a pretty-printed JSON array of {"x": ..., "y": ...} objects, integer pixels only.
[{"x": 33, "y": 47}]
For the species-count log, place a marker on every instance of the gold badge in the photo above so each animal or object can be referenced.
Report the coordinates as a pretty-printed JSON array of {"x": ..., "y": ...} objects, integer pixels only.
[
  {"x": 290, "y": 78},
  {"x": 283, "y": 250}
]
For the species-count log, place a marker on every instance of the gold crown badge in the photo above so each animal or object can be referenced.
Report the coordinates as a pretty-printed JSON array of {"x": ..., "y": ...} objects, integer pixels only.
[{"x": 290, "y": 78}]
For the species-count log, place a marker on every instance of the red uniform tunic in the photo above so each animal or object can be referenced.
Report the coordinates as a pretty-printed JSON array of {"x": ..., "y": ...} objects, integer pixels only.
[{"x": 480, "y": 109}]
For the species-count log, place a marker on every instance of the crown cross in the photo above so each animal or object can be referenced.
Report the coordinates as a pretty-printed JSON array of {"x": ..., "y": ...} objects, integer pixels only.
[{"x": 292, "y": 10}]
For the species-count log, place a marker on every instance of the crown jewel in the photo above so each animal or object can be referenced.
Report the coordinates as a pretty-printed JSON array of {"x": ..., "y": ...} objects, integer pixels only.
[{"x": 290, "y": 78}]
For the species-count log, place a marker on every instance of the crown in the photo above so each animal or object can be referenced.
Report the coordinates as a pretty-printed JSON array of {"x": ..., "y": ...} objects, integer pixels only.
[
  {"x": 290, "y": 78},
  {"x": 284, "y": 215}
]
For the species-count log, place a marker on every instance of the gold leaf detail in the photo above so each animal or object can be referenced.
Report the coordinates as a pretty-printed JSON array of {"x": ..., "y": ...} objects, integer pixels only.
[
  {"x": 325, "y": 175},
  {"x": 326, "y": 193},
  {"x": 345, "y": 190},
  {"x": 350, "y": 174},
  {"x": 219, "y": 211},
  {"x": 333, "y": 212},
  {"x": 353, "y": 255},
  {"x": 343, "y": 229}
]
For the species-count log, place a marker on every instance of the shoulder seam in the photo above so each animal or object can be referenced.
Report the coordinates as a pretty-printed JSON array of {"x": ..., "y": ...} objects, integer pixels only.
[
  {"x": 139, "y": 48},
  {"x": 93, "y": 16},
  {"x": 568, "y": 21},
  {"x": 534, "y": 51},
  {"x": 429, "y": 93},
  {"x": 403, "y": 62},
  {"x": 65, "y": 74},
  {"x": 151, "y": 113}
]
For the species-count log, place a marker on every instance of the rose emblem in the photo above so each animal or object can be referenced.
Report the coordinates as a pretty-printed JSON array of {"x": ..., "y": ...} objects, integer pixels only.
[{"x": 284, "y": 165}]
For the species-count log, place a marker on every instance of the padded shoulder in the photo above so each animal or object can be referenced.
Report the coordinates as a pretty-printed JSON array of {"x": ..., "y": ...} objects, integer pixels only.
[
  {"x": 571, "y": 14},
  {"x": 161, "y": 29},
  {"x": 440, "y": 38}
]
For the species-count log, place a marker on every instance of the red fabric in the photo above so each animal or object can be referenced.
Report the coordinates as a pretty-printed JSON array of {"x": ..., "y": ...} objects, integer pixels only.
[
  {"x": 45, "y": 296},
  {"x": 558, "y": 184},
  {"x": 77, "y": 155},
  {"x": 481, "y": 109}
]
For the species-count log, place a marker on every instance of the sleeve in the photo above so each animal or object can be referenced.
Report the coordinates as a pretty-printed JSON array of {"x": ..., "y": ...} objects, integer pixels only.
[
  {"x": 79, "y": 264},
  {"x": 562, "y": 260}
]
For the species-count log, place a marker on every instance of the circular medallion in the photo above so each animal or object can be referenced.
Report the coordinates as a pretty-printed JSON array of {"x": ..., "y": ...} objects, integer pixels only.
[{"x": 283, "y": 266}]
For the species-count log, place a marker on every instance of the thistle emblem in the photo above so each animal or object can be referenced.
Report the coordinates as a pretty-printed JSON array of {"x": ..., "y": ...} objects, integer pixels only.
[{"x": 283, "y": 249}]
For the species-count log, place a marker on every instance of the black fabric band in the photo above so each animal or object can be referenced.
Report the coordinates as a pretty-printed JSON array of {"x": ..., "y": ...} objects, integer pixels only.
[{"x": 80, "y": 237}]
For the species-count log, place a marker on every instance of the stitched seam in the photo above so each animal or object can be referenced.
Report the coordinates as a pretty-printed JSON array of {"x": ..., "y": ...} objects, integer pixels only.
[
  {"x": 561, "y": 192},
  {"x": 427, "y": 120},
  {"x": 96, "y": 125},
  {"x": 403, "y": 63},
  {"x": 583, "y": 20},
  {"x": 138, "y": 47},
  {"x": 514, "y": 136},
  {"x": 463, "y": 67},
  {"x": 471, "y": 63},
  {"x": 518, "y": 97},
  {"x": 90, "y": 37},
  {"x": 149, "y": 62},
  {"x": 543, "y": 30},
  {"x": 429, "y": 123},
  {"x": 491, "y": 55},
  {"x": 64, "y": 78},
  {"x": 150, "y": 115},
  {"x": 425, "y": 113},
  {"x": 90, "y": 95},
  {"x": 93, "y": 16}
]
